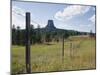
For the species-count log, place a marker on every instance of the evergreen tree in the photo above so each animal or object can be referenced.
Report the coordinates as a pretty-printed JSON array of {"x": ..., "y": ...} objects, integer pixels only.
[
  {"x": 91, "y": 33},
  {"x": 32, "y": 34},
  {"x": 48, "y": 37},
  {"x": 38, "y": 35},
  {"x": 18, "y": 35},
  {"x": 13, "y": 35}
]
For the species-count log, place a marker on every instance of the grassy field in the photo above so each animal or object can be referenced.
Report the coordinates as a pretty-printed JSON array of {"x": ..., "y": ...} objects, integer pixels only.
[{"x": 47, "y": 58}]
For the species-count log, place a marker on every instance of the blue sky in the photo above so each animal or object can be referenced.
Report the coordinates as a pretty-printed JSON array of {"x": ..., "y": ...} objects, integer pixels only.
[{"x": 65, "y": 16}]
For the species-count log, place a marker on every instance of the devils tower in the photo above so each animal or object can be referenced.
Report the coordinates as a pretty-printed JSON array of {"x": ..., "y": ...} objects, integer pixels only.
[{"x": 50, "y": 25}]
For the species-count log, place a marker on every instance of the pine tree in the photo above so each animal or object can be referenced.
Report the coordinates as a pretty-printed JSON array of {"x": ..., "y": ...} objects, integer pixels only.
[
  {"x": 18, "y": 36},
  {"x": 13, "y": 34},
  {"x": 38, "y": 35}
]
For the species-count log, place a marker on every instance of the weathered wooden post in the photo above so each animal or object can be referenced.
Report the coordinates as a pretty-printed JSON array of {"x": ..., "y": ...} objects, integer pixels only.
[
  {"x": 71, "y": 50},
  {"x": 63, "y": 48},
  {"x": 28, "y": 63}
]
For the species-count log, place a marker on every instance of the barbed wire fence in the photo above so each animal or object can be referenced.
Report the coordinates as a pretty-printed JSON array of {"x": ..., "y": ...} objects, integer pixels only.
[
  {"x": 23, "y": 16},
  {"x": 73, "y": 47}
]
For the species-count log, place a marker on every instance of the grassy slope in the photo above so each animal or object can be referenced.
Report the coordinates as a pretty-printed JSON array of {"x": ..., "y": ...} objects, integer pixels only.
[{"x": 49, "y": 57}]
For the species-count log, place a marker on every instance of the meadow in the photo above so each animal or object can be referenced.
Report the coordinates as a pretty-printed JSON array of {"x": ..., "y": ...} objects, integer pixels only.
[{"x": 79, "y": 54}]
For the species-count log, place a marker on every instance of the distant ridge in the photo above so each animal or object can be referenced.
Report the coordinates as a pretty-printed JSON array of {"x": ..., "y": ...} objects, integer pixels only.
[{"x": 50, "y": 27}]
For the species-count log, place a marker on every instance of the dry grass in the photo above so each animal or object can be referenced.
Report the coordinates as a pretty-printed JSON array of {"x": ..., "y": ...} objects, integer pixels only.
[{"x": 47, "y": 58}]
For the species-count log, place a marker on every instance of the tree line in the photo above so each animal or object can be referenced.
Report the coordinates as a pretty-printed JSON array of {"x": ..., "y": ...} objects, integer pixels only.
[{"x": 40, "y": 35}]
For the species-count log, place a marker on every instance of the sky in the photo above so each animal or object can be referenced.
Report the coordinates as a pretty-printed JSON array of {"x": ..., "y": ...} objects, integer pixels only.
[{"x": 65, "y": 16}]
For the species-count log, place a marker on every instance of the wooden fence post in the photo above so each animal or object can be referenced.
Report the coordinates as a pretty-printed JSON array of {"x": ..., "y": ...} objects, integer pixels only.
[
  {"x": 71, "y": 50},
  {"x": 62, "y": 48},
  {"x": 28, "y": 63}
]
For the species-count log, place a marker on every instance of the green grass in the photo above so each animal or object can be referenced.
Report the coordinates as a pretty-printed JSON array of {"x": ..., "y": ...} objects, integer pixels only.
[{"x": 46, "y": 58}]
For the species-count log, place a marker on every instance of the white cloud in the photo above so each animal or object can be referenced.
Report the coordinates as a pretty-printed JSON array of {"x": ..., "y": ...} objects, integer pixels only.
[
  {"x": 71, "y": 11},
  {"x": 92, "y": 19}
]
